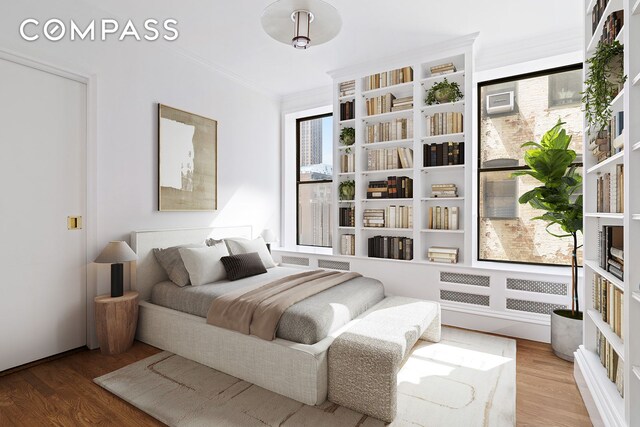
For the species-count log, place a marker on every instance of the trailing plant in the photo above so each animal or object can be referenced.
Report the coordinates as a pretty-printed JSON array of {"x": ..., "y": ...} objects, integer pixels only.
[
  {"x": 347, "y": 136},
  {"x": 551, "y": 162},
  {"x": 347, "y": 190},
  {"x": 605, "y": 76},
  {"x": 444, "y": 91}
]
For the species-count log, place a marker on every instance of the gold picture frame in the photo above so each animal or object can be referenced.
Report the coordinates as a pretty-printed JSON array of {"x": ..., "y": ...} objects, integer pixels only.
[{"x": 187, "y": 161}]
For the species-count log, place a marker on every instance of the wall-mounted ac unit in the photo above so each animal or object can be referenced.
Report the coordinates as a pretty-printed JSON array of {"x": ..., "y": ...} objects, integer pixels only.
[{"x": 499, "y": 103}]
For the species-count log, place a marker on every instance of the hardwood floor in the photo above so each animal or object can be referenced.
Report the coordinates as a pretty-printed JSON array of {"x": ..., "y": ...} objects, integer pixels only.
[{"x": 61, "y": 392}]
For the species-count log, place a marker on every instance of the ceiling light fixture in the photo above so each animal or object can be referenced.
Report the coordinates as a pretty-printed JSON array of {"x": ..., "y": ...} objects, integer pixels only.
[{"x": 277, "y": 18}]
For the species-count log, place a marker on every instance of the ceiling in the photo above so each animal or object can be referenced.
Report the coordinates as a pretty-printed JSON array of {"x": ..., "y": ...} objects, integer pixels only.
[{"x": 228, "y": 35}]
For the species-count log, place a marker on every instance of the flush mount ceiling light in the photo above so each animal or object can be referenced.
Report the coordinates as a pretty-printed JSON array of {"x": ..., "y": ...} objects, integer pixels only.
[{"x": 301, "y": 23}]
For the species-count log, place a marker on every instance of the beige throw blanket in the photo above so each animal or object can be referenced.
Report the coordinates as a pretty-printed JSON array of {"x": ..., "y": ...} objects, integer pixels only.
[{"x": 257, "y": 310}]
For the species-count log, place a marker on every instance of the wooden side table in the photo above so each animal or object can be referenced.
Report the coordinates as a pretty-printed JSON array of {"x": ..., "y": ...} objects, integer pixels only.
[{"x": 116, "y": 321}]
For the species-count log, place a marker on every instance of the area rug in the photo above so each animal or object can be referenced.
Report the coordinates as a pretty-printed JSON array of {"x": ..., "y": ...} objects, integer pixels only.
[{"x": 467, "y": 379}]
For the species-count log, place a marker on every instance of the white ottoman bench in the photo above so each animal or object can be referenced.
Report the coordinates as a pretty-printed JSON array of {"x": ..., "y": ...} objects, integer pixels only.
[{"x": 365, "y": 359}]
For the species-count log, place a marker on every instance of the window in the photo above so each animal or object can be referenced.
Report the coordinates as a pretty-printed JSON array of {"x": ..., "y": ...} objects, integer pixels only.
[
  {"x": 511, "y": 112},
  {"x": 314, "y": 170}
]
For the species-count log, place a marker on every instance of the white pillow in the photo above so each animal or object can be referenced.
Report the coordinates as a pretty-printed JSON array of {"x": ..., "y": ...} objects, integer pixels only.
[
  {"x": 238, "y": 246},
  {"x": 203, "y": 264}
]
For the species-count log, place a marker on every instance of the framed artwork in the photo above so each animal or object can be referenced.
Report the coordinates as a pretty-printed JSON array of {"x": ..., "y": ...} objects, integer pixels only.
[{"x": 187, "y": 161}]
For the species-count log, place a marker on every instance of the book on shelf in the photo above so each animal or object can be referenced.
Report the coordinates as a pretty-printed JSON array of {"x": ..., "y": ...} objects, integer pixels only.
[
  {"x": 347, "y": 88},
  {"x": 388, "y": 78},
  {"x": 611, "y": 361},
  {"x": 610, "y": 250},
  {"x": 389, "y": 158},
  {"x": 390, "y": 247},
  {"x": 610, "y": 191},
  {"x": 347, "y": 217},
  {"x": 380, "y": 104},
  {"x": 389, "y": 217},
  {"x": 389, "y": 131},
  {"x": 444, "y": 190},
  {"x": 393, "y": 187},
  {"x": 400, "y": 104},
  {"x": 347, "y": 110},
  {"x": 348, "y": 244},
  {"x": 596, "y": 14},
  {"x": 443, "y": 218},
  {"x": 608, "y": 300},
  {"x": 441, "y": 69},
  {"x": 608, "y": 141},
  {"x": 347, "y": 162},
  {"x": 443, "y": 254},
  {"x": 445, "y": 123},
  {"x": 612, "y": 26},
  {"x": 443, "y": 154}
]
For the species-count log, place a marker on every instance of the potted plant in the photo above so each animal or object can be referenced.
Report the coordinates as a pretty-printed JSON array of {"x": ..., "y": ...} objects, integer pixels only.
[
  {"x": 551, "y": 163},
  {"x": 605, "y": 77},
  {"x": 347, "y": 190},
  {"x": 443, "y": 92},
  {"x": 347, "y": 136}
]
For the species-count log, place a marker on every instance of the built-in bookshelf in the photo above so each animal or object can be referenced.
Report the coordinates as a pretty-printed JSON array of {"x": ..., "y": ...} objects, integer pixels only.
[
  {"x": 608, "y": 362},
  {"x": 408, "y": 158}
]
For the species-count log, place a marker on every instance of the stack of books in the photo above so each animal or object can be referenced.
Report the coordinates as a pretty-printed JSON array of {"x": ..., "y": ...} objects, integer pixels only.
[
  {"x": 610, "y": 250},
  {"x": 347, "y": 110},
  {"x": 400, "y": 104},
  {"x": 389, "y": 217},
  {"x": 610, "y": 191},
  {"x": 393, "y": 187},
  {"x": 347, "y": 88},
  {"x": 611, "y": 362},
  {"x": 609, "y": 141},
  {"x": 443, "y": 154},
  {"x": 612, "y": 26},
  {"x": 348, "y": 244},
  {"x": 444, "y": 190},
  {"x": 347, "y": 217},
  {"x": 596, "y": 14},
  {"x": 444, "y": 123},
  {"x": 390, "y": 247},
  {"x": 388, "y": 78},
  {"x": 441, "y": 254},
  {"x": 389, "y": 158},
  {"x": 380, "y": 104},
  {"x": 438, "y": 70},
  {"x": 389, "y": 131},
  {"x": 609, "y": 301},
  {"x": 443, "y": 218},
  {"x": 347, "y": 162}
]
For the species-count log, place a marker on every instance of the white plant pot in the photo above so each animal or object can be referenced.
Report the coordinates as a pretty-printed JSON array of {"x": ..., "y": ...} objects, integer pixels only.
[{"x": 566, "y": 334}]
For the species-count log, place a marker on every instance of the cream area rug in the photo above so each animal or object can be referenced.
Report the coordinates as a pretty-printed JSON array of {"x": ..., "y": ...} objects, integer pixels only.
[{"x": 467, "y": 379}]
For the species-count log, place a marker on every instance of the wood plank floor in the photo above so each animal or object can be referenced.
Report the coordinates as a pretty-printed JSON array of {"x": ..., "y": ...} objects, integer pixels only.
[{"x": 61, "y": 392}]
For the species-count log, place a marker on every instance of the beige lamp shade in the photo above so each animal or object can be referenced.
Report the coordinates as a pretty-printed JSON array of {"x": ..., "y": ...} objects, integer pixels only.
[
  {"x": 116, "y": 252},
  {"x": 268, "y": 235}
]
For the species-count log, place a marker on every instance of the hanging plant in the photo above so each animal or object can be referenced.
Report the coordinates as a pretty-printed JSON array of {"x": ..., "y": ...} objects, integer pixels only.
[
  {"x": 443, "y": 92},
  {"x": 347, "y": 136},
  {"x": 347, "y": 190},
  {"x": 605, "y": 77}
]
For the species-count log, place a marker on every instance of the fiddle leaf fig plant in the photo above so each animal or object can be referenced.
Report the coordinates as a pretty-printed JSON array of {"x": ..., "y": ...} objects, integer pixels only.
[
  {"x": 551, "y": 162},
  {"x": 605, "y": 77}
]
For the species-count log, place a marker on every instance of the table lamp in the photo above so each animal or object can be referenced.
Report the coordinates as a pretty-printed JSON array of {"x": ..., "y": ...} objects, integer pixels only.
[
  {"x": 269, "y": 237},
  {"x": 115, "y": 253}
]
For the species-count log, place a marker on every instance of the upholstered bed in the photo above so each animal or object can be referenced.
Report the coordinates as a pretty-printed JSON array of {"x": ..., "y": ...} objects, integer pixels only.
[{"x": 294, "y": 364}]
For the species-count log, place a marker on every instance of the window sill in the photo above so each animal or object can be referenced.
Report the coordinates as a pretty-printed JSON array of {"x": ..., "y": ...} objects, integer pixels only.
[
  {"x": 525, "y": 268},
  {"x": 306, "y": 250}
]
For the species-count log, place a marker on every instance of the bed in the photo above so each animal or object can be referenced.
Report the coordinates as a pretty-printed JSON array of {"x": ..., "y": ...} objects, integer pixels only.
[{"x": 294, "y": 364}]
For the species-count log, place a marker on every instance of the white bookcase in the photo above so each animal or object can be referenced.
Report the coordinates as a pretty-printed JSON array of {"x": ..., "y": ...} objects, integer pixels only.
[
  {"x": 602, "y": 398},
  {"x": 460, "y": 53}
]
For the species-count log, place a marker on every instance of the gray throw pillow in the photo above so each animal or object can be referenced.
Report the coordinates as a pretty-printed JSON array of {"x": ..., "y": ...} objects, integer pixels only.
[
  {"x": 243, "y": 265},
  {"x": 171, "y": 262}
]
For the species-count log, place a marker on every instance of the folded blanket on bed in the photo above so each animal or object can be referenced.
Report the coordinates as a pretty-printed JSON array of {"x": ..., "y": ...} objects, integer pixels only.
[{"x": 257, "y": 310}]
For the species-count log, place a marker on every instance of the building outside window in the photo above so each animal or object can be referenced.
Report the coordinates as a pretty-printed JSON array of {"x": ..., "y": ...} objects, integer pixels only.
[
  {"x": 513, "y": 111},
  {"x": 314, "y": 136}
]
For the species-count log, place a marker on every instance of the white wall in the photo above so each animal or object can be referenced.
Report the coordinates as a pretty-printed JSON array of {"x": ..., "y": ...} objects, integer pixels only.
[{"x": 132, "y": 77}]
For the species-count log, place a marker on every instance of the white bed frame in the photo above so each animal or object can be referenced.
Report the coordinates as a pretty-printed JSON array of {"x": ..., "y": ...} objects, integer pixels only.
[{"x": 294, "y": 370}]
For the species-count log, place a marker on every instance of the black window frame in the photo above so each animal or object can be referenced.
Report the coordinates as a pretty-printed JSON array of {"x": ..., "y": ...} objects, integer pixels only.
[
  {"x": 481, "y": 170},
  {"x": 298, "y": 182}
]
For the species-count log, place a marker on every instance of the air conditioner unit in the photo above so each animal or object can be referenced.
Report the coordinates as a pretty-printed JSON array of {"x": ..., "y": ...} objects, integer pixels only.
[{"x": 502, "y": 102}]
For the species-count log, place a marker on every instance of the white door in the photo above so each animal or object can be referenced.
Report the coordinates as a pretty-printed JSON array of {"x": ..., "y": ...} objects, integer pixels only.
[{"x": 43, "y": 181}]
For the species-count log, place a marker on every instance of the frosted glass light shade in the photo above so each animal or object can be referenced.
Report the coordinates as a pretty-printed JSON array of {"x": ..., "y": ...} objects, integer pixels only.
[
  {"x": 116, "y": 252},
  {"x": 268, "y": 235}
]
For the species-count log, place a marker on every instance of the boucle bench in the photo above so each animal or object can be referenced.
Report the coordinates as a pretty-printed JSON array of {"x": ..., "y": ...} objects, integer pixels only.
[{"x": 365, "y": 359}]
